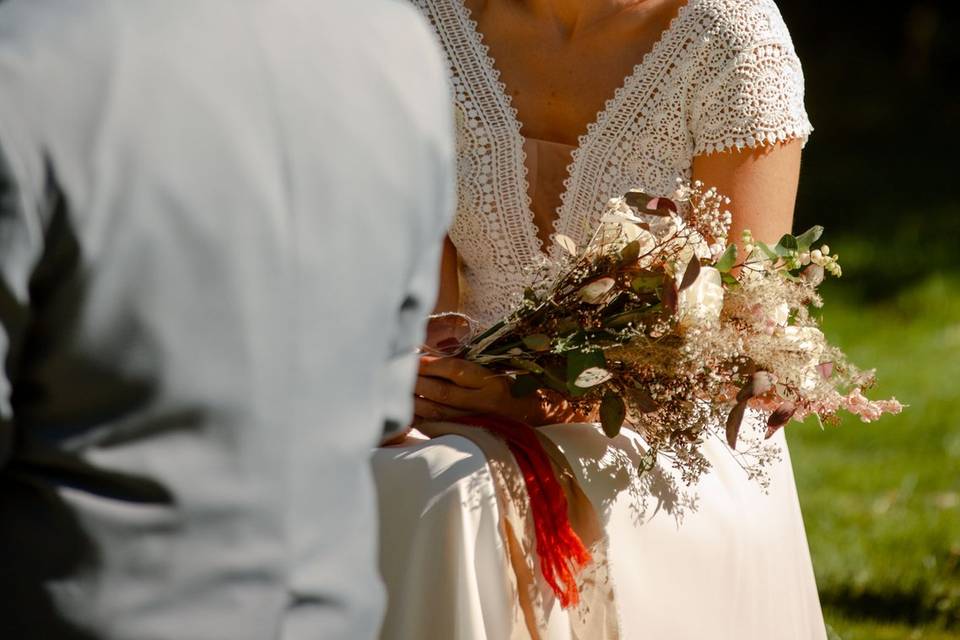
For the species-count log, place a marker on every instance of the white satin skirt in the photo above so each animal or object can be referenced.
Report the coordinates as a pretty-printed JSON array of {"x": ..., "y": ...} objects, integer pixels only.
[{"x": 721, "y": 560}]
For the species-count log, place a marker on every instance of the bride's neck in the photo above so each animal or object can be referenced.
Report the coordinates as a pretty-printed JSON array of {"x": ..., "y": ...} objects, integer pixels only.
[{"x": 571, "y": 16}]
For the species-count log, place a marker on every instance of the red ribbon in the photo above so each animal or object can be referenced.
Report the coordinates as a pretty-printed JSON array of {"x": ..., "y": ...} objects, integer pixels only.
[{"x": 560, "y": 549}]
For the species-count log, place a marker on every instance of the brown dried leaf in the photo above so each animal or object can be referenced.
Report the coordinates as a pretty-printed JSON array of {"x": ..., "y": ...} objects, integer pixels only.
[
  {"x": 668, "y": 294},
  {"x": 637, "y": 199},
  {"x": 780, "y": 416},
  {"x": 734, "y": 420},
  {"x": 660, "y": 206},
  {"x": 690, "y": 274},
  {"x": 449, "y": 346},
  {"x": 643, "y": 400}
]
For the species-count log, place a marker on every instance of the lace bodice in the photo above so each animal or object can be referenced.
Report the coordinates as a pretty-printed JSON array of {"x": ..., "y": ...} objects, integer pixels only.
[{"x": 724, "y": 74}]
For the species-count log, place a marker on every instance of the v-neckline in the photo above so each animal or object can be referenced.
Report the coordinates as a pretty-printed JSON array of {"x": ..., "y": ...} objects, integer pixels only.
[{"x": 584, "y": 140}]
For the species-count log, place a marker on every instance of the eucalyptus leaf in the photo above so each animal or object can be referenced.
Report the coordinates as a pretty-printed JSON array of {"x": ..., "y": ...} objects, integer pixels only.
[
  {"x": 788, "y": 242},
  {"x": 647, "y": 281},
  {"x": 613, "y": 412},
  {"x": 728, "y": 279},
  {"x": 526, "y": 365},
  {"x": 767, "y": 250},
  {"x": 537, "y": 342},
  {"x": 554, "y": 378},
  {"x": 573, "y": 342},
  {"x": 621, "y": 320},
  {"x": 631, "y": 252},
  {"x": 591, "y": 377},
  {"x": 525, "y": 385},
  {"x": 566, "y": 326},
  {"x": 806, "y": 239},
  {"x": 580, "y": 361},
  {"x": 727, "y": 260}
]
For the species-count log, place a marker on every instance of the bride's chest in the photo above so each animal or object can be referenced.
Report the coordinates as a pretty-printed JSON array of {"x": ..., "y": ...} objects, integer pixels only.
[
  {"x": 624, "y": 122},
  {"x": 558, "y": 86}
]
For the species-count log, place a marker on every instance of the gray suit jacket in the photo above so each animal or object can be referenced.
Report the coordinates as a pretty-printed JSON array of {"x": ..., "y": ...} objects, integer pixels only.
[{"x": 220, "y": 225}]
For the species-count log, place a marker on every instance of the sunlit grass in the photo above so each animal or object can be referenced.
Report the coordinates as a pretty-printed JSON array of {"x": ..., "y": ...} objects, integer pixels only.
[{"x": 882, "y": 501}]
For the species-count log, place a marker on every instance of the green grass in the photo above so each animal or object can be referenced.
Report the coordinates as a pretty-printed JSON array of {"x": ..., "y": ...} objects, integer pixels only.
[
  {"x": 846, "y": 628},
  {"x": 881, "y": 501}
]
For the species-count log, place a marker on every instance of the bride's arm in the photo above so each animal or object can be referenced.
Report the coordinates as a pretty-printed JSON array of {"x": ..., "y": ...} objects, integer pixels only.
[
  {"x": 761, "y": 183},
  {"x": 448, "y": 296}
]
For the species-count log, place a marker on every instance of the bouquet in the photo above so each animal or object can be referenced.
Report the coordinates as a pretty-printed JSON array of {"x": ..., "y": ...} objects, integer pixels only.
[{"x": 660, "y": 324}]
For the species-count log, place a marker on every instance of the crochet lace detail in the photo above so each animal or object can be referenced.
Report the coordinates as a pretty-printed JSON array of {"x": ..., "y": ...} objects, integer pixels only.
[{"x": 723, "y": 75}]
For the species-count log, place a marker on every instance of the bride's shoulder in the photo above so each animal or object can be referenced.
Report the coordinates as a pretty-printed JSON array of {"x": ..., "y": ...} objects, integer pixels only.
[{"x": 739, "y": 25}]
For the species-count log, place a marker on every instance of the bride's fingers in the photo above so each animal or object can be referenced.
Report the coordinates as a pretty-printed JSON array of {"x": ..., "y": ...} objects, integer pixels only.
[
  {"x": 456, "y": 370},
  {"x": 395, "y": 437},
  {"x": 444, "y": 393},
  {"x": 428, "y": 410}
]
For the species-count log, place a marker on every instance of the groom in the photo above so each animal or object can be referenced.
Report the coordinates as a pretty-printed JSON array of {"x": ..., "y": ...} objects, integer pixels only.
[{"x": 220, "y": 226}]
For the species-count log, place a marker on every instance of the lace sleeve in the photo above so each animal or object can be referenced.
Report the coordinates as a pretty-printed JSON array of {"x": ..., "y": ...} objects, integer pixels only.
[{"x": 755, "y": 94}]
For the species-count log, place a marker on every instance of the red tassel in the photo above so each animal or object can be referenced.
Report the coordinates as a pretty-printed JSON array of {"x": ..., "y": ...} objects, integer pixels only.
[{"x": 560, "y": 549}]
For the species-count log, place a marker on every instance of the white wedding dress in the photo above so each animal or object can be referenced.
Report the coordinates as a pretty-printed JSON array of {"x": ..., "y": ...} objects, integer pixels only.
[{"x": 721, "y": 560}]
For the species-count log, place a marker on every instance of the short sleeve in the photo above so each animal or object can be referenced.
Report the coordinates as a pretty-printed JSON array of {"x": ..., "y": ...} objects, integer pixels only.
[{"x": 753, "y": 93}]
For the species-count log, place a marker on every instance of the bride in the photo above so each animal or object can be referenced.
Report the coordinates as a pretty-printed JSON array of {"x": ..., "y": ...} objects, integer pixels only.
[{"x": 561, "y": 105}]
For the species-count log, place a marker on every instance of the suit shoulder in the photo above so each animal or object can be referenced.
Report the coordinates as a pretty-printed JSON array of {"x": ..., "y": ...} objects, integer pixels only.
[
  {"x": 46, "y": 44},
  {"x": 55, "y": 24},
  {"x": 409, "y": 47}
]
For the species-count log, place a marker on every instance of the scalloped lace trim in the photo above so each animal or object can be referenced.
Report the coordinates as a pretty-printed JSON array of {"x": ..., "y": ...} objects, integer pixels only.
[
  {"x": 723, "y": 75},
  {"x": 769, "y": 138}
]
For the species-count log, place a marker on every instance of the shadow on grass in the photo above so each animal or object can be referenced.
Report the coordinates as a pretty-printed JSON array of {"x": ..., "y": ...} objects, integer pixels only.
[{"x": 905, "y": 607}]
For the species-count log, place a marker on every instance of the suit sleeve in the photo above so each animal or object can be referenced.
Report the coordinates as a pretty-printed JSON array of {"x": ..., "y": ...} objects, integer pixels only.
[
  {"x": 420, "y": 297},
  {"x": 421, "y": 293}
]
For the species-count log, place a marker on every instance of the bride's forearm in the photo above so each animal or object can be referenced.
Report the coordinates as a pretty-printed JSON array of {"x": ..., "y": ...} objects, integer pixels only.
[{"x": 448, "y": 294}]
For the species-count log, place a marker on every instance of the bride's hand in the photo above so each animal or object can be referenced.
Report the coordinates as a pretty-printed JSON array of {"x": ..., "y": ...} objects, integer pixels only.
[{"x": 452, "y": 387}]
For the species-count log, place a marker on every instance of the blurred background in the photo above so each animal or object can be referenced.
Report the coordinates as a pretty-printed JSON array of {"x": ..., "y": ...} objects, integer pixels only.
[{"x": 882, "y": 501}]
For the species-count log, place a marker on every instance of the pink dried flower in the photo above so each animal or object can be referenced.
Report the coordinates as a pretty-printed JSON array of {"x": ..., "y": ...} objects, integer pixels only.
[{"x": 869, "y": 410}]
